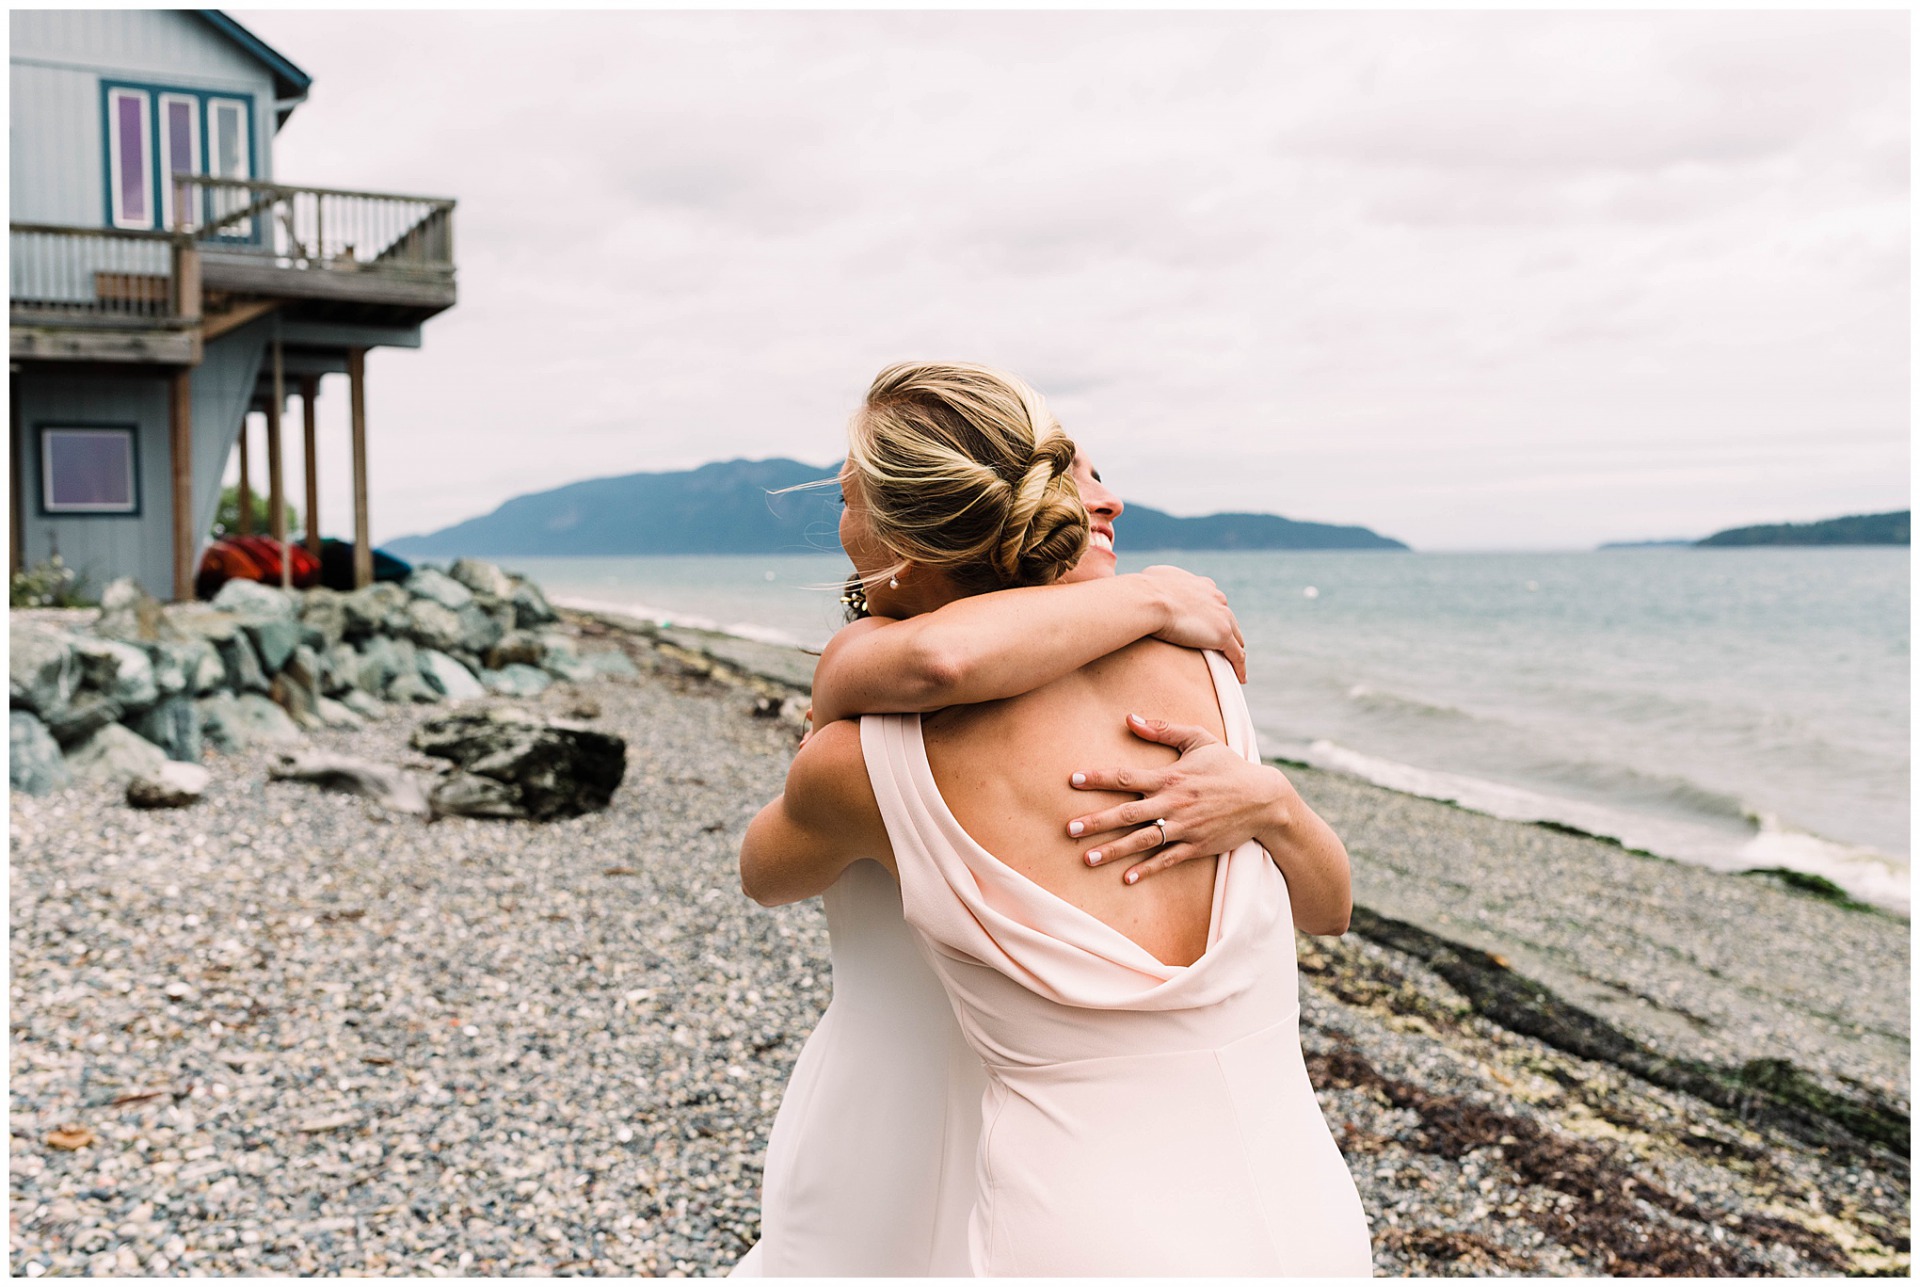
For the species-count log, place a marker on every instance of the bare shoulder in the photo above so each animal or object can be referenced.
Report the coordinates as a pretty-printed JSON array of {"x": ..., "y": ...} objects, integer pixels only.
[{"x": 827, "y": 784}]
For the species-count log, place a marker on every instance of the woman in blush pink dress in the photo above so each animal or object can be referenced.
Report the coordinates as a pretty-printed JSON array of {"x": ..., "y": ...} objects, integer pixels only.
[
  {"x": 869, "y": 1167},
  {"x": 1146, "y": 1108}
]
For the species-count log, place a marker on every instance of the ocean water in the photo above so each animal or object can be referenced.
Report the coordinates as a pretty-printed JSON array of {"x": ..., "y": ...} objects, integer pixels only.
[{"x": 1732, "y": 708}]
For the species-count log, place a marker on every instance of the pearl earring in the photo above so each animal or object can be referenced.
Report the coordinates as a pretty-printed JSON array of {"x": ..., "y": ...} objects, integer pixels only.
[{"x": 893, "y": 583}]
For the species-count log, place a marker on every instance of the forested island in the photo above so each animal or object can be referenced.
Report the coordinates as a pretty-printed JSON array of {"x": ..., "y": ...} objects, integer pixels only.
[
  {"x": 742, "y": 507},
  {"x": 1857, "y": 529}
]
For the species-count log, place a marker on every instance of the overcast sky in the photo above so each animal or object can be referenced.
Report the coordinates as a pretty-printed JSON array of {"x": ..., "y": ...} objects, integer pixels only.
[{"x": 1499, "y": 280}]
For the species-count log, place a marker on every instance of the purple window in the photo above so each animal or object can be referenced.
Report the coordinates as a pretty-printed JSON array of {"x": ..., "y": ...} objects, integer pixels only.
[
  {"x": 179, "y": 144},
  {"x": 132, "y": 178},
  {"x": 87, "y": 471}
]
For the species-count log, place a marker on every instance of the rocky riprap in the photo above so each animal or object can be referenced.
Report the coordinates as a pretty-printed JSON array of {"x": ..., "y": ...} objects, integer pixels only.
[
  {"x": 292, "y": 1032},
  {"x": 112, "y": 698}
]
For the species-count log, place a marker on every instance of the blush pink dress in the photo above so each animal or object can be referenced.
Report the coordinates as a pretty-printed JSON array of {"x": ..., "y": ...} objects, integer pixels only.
[
  {"x": 869, "y": 1169},
  {"x": 1139, "y": 1118}
]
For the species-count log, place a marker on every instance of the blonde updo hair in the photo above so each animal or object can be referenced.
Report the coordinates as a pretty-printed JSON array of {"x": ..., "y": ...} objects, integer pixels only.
[{"x": 964, "y": 469}]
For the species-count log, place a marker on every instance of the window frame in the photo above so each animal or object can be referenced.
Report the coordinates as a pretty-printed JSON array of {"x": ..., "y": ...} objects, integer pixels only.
[
  {"x": 116, "y": 185},
  {"x": 155, "y": 146},
  {"x": 42, "y": 437},
  {"x": 195, "y": 148}
]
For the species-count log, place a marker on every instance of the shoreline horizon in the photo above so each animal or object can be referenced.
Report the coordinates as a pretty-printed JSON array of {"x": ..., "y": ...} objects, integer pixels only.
[{"x": 1816, "y": 863}]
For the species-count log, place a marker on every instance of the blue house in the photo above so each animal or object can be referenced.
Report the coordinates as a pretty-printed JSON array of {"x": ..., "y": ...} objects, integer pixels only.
[{"x": 165, "y": 284}]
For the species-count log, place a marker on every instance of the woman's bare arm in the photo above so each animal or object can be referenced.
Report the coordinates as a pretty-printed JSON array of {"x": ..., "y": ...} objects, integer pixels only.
[
  {"x": 989, "y": 646},
  {"x": 1214, "y": 801},
  {"x": 826, "y": 818}
]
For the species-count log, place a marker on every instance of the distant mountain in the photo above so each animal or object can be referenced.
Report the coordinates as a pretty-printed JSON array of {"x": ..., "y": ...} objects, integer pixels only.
[
  {"x": 1858, "y": 529},
  {"x": 726, "y": 508}
]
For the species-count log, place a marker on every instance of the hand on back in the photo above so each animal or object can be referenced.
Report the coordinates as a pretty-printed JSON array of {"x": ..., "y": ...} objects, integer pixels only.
[{"x": 1198, "y": 615}]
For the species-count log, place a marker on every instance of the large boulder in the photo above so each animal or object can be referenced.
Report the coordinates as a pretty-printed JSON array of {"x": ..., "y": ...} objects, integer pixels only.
[
  {"x": 560, "y": 657},
  {"x": 121, "y": 672},
  {"x": 432, "y": 624},
  {"x": 42, "y": 670},
  {"x": 88, "y": 714},
  {"x": 173, "y": 665},
  {"x": 380, "y": 608},
  {"x": 339, "y": 669},
  {"x": 205, "y": 671},
  {"x": 171, "y": 786},
  {"x": 378, "y": 663},
  {"x": 482, "y": 577},
  {"x": 454, "y": 680},
  {"x": 235, "y": 723},
  {"x": 338, "y": 714},
  {"x": 34, "y": 765},
  {"x": 274, "y": 638},
  {"x": 173, "y": 725},
  {"x": 115, "y": 754},
  {"x": 252, "y": 599},
  {"x": 530, "y": 607},
  {"x": 296, "y": 689},
  {"x": 324, "y": 610},
  {"x": 479, "y": 630},
  {"x": 130, "y": 614},
  {"x": 538, "y": 768},
  {"x": 411, "y": 686},
  {"x": 244, "y": 671},
  {"x": 363, "y": 704},
  {"x": 426, "y": 583},
  {"x": 517, "y": 646}
]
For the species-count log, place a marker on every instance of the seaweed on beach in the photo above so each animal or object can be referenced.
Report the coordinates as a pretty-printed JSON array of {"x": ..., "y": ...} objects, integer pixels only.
[
  {"x": 1768, "y": 1092},
  {"x": 1607, "y": 1216}
]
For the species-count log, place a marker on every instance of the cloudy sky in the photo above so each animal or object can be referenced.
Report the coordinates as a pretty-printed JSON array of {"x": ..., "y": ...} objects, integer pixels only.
[{"x": 1489, "y": 281}]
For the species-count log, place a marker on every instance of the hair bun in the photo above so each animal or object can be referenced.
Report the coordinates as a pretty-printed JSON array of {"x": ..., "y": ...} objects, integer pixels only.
[{"x": 1047, "y": 527}]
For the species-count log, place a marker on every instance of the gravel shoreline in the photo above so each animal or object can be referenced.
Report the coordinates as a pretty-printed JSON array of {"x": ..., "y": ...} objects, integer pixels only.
[{"x": 287, "y": 1032}]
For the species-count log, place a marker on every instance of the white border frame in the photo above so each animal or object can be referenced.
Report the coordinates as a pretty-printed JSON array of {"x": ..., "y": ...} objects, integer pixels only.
[
  {"x": 166, "y": 169},
  {"x": 116, "y": 180},
  {"x": 126, "y": 435},
  {"x": 240, "y": 108}
]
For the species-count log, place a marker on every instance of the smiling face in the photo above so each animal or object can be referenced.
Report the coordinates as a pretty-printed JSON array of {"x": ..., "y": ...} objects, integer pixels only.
[{"x": 1103, "y": 507}]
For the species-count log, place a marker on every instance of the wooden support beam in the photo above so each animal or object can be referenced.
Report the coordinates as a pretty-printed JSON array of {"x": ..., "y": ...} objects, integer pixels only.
[
  {"x": 17, "y": 461},
  {"x": 276, "y": 469},
  {"x": 309, "y": 389},
  {"x": 362, "y": 530},
  {"x": 236, "y": 317},
  {"x": 245, "y": 497},
  {"x": 180, "y": 453}
]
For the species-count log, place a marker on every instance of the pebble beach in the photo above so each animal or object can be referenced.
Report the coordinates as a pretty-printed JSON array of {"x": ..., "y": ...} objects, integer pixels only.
[{"x": 288, "y": 1031}]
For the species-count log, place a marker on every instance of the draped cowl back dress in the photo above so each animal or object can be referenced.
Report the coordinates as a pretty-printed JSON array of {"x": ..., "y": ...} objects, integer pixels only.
[{"x": 1139, "y": 1118}]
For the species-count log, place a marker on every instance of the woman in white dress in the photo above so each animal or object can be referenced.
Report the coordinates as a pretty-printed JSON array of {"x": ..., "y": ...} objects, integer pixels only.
[{"x": 870, "y": 1167}]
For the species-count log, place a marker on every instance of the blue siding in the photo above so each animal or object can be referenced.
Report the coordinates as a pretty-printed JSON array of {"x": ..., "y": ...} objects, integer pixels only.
[
  {"x": 100, "y": 546},
  {"x": 57, "y": 155}
]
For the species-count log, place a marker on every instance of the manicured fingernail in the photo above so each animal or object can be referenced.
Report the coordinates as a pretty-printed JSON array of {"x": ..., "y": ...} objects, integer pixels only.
[
  {"x": 1132, "y": 876},
  {"x": 1136, "y": 719},
  {"x": 1093, "y": 859},
  {"x": 1079, "y": 779},
  {"x": 1075, "y": 828}
]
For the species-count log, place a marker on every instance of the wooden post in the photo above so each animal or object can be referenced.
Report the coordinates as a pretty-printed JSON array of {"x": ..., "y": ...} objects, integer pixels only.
[
  {"x": 276, "y": 471},
  {"x": 362, "y": 531},
  {"x": 245, "y": 497},
  {"x": 180, "y": 443},
  {"x": 309, "y": 387},
  {"x": 17, "y": 445}
]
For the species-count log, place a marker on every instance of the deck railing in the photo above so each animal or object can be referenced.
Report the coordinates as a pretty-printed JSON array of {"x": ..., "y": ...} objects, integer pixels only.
[
  {"x": 99, "y": 276},
  {"x": 318, "y": 227}
]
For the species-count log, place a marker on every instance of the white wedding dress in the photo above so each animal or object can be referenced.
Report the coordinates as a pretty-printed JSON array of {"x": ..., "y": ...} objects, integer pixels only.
[{"x": 870, "y": 1166}]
